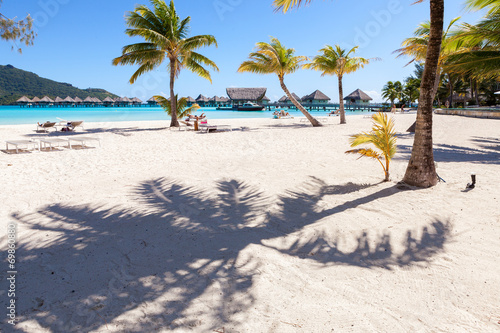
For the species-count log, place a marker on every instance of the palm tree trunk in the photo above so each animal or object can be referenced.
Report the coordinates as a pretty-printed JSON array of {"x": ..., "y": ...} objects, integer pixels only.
[
  {"x": 313, "y": 121},
  {"x": 421, "y": 170},
  {"x": 476, "y": 92},
  {"x": 173, "y": 105},
  {"x": 341, "y": 101}
]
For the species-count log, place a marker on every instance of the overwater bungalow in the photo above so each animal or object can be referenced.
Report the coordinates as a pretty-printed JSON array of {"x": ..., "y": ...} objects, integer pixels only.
[
  {"x": 45, "y": 101},
  {"x": 108, "y": 101},
  {"x": 358, "y": 98},
  {"x": 58, "y": 101},
  {"x": 136, "y": 101},
  {"x": 68, "y": 101},
  {"x": 97, "y": 101},
  {"x": 190, "y": 101},
  {"x": 265, "y": 100},
  {"x": 88, "y": 101},
  {"x": 202, "y": 101},
  {"x": 35, "y": 101},
  {"x": 286, "y": 101},
  {"x": 316, "y": 98},
  {"x": 217, "y": 101},
  {"x": 78, "y": 101},
  {"x": 23, "y": 101},
  {"x": 239, "y": 96},
  {"x": 152, "y": 102}
]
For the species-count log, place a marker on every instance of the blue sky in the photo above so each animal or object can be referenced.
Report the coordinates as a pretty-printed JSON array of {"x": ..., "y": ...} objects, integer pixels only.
[{"x": 78, "y": 39}]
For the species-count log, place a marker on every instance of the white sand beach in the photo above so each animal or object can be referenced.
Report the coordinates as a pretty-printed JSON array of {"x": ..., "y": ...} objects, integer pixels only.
[{"x": 268, "y": 228}]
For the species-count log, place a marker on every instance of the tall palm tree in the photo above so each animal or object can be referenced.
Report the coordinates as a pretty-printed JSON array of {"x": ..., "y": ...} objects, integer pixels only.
[
  {"x": 166, "y": 38},
  {"x": 392, "y": 91},
  {"x": 275, "y": 58},
  {"x": 421, "y": 170},
  {"x": 337, "y": 61}
]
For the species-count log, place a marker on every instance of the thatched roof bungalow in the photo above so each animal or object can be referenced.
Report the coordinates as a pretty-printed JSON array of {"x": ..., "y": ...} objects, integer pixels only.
[
  {"x": 316, "y": 97},
  {"x": 265, "y": 100},
  {"x": 239, "y": 96},
  {"x": 78, "y": 100},
  {"x": 35, "y": 100},
  {"x": 152, "y": 101},
  {"x": 202, "y": 100},
  {"x": 23, "y": 101},
  {"x": 108, "y": 101},
  {"x": 68, "y": 101},
  {"x": 136, "y": 101},
  {"x": 286, "y": 100},
  {"x": 88, "y": 101},
  {"x": 58, "y": 101},
  {"x": 358, "y": 97},
  {"x": 45, "y": 101}
]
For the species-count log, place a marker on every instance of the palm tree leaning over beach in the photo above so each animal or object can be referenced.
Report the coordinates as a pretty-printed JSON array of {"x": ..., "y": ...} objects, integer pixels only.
[
  {"x": 421, "y": 170},
  {"x": 274, "y": 58},
  {"x": 166, "y": 37},
  {"x": 337, "y": 61}
]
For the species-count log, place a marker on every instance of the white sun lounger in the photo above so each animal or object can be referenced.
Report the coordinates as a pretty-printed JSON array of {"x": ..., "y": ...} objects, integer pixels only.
[
  {"x": 82, "y": 140},
  {"x": 206, "y": 128},
  {"x": 21, "y": 143},
  {"x": 44, "y": 142}
]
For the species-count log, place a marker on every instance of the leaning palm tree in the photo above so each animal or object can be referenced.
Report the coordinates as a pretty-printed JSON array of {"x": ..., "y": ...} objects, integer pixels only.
[
  {"x": 182, "y": 109},
  {"x": 382, "y": 136},
  {"x": 337, "y": 61},
  {"x": 166, "y": 38},
  {"x": 274, "y": 58}
]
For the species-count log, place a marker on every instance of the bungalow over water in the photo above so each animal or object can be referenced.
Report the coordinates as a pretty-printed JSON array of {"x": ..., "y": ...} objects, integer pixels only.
[
  {"x": 77, "y": 101},
  {"x": 240, "y": 96},
  {"x": 316, "y": 97},
  {"x": 358, "y": 98},
  {"x": 286, "y": 101}
]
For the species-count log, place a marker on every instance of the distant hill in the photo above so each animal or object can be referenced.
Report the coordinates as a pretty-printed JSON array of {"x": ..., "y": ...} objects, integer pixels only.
[{"x": 15, "y": 83}]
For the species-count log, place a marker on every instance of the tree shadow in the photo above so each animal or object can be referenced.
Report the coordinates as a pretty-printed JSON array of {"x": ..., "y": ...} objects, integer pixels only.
[
  {"x": 175, "y": 257},
  {"x": 487, "y": 143},
  {"x": 452, "y": 153}
]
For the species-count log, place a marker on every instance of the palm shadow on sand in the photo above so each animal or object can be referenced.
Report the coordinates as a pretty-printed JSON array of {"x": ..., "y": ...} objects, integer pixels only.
[{"x": 181, "y": 249}]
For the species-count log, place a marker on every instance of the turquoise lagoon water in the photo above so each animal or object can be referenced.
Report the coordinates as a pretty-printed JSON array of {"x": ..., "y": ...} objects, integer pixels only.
[{"x": 15, "y": 115}]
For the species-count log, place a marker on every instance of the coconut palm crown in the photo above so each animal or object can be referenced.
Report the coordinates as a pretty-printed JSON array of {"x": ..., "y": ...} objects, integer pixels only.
[
  {"x": 275, "y": 58},
  {"x": 182, "y": 109},
  {"x": 166, "y": 38},
  {"x": 337, "y": 61}
]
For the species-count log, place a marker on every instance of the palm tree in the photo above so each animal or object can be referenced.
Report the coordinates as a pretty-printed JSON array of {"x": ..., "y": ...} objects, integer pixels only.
[
  {"x": 421, "y": 170},
  {"x": 392, "y": 91},
  {"x": 382, "y": 136},
  {"x": 479, "y": 56},
  {"x": 336, "y": 61},
  {"x": 166, "y": 37},
  {"x": 274, "y": 58},
  {"x": 411, "y": 89},
  {"x": 182, "y": 109}
]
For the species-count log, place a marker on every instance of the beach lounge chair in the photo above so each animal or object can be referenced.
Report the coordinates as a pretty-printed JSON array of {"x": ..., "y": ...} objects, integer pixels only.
[
  {"x": 47, "y": 144},
  {"x": 82, "y": 140},
  {"x": 206, "y": 128},
  {"x": 26, "y": 143},
  {"x": 70, "y": 125},
  {"x": 44, "y": 127}
]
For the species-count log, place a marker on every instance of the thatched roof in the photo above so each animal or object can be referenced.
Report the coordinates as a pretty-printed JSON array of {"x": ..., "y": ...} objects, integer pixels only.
[
  {"x": 24, "y": 99},
  {"x": 246, "y": 94},
  {"x": 265, "y": 98},
  {"x": 136, "y": 100},
  {"x": 317, "y": 96},
  {"x": 152, "y": 99},
  {"x": 125, "y": 100},
  {"x": 286, "y": 99},
  {"x": 202, "y": 98},
  {"x": 108, "y": 100},
  {"x": 69, "y": 100},
  {"x": 35, "y": 100},
  {"x": 358, "y": 95},
  {"x": 217, "y": 99},
  {"x": 78, "y": 99},
  {"x": 59, "y": 100},
  {"x": 46, "y": 99},
  {"x": 190, "y": 99},
  {"x": 88, "y": 100},
  {"x": 97, "y": 100}
]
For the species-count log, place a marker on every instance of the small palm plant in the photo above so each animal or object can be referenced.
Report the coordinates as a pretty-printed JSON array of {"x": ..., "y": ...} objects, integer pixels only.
[
  {"x": 382, "y": 136},
  {"x": 182, "y": 109}
]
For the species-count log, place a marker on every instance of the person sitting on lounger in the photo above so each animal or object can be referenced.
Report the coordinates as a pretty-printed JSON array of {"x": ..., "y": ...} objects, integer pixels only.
[
  {"x": 334, "y": 112},
  {"x": 284, "y": 114}
]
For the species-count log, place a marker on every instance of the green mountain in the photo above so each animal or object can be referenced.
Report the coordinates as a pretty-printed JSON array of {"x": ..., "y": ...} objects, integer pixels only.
[{"x": 15, "y": 83}]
